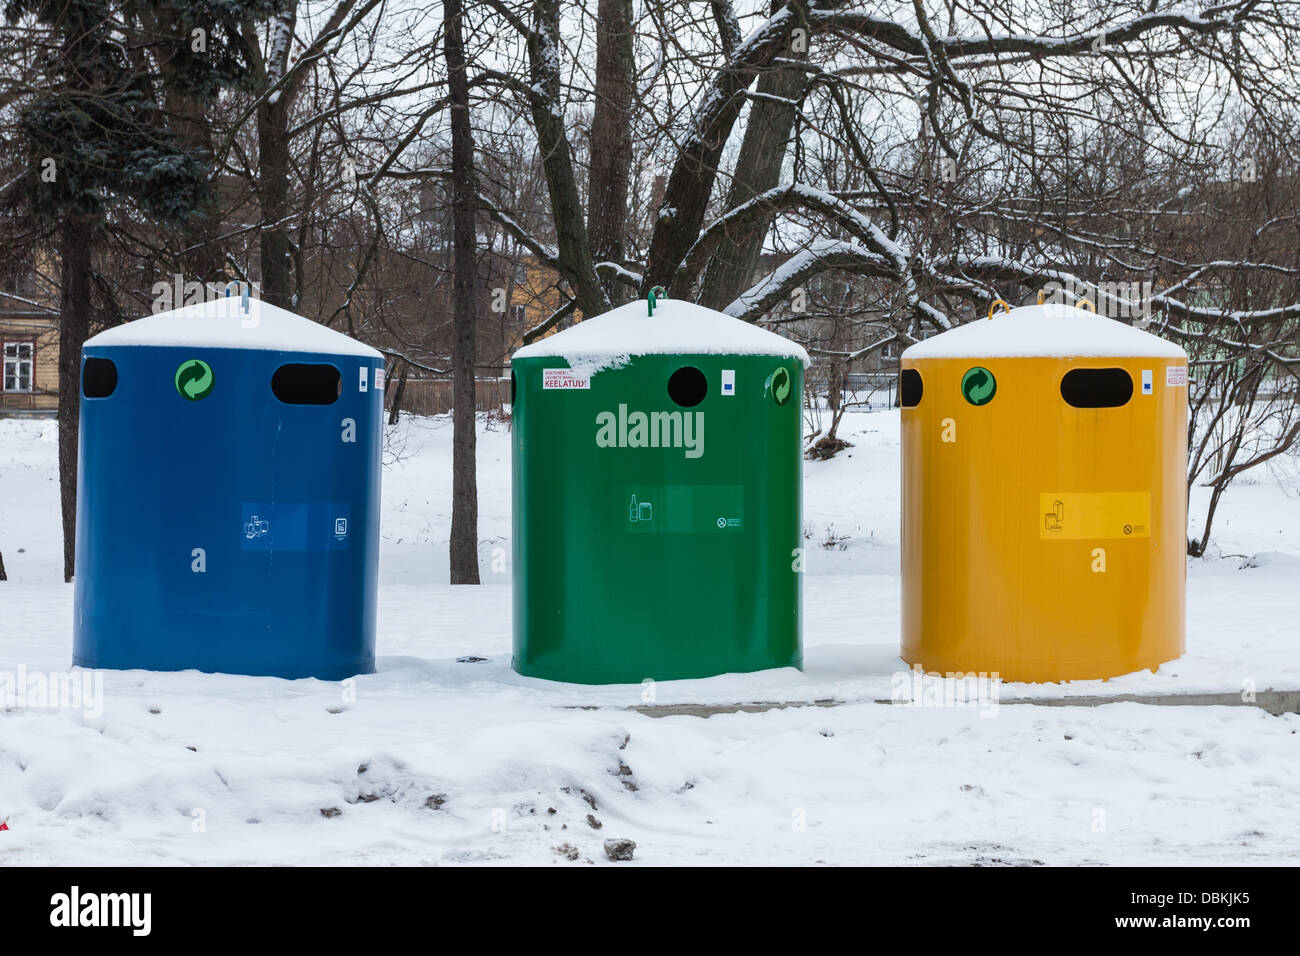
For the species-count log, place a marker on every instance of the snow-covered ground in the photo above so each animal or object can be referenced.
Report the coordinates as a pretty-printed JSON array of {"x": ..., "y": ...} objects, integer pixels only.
[{"x": 434, "y": 761}]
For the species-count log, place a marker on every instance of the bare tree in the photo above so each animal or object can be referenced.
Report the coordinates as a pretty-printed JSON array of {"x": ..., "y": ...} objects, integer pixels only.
[
  {"x": 1244, "y": 414},
  {"x": 464, "y": 512},
  {"x": 611, "y": 138}
]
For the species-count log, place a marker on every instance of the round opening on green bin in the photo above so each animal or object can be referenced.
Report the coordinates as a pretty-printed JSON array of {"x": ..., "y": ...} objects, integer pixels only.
[{"x": 687, "y": 386}]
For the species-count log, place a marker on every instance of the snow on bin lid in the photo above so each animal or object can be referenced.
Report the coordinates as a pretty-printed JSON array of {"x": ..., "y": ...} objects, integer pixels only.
[
  {"x": 223, "y": 324},
  {"x": 1043, "y": 331},
  {"x": 676, "y": 328}
]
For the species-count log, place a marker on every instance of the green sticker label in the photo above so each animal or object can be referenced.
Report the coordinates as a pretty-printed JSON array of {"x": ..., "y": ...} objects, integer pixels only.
[
  {"x": 978, "y": 385},
  {"x": 683, "y": 509},
  {"x": 194, "y": 380},
  {"x": 778, "y": 383}
]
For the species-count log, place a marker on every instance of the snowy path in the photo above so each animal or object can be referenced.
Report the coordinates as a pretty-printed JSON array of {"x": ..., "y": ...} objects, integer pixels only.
[{"x": 434, "y": 761}]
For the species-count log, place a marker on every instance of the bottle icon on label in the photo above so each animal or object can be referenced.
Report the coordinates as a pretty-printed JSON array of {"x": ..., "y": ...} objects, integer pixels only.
[{"x": 640, "y": 510}]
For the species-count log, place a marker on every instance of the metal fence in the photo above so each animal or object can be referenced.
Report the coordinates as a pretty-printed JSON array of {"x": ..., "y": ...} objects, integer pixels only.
[{"x": 870, "y": 390}]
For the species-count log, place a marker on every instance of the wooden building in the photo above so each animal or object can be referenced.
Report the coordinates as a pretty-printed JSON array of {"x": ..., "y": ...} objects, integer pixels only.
[{"x": 29, "y": 348}]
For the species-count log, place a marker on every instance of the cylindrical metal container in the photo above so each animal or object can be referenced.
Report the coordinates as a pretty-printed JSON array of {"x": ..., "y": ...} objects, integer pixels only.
[
  {"x": 657, "y": 498},
  {"x": 228, "y": 495},
  {"x": 1044, "y": 501}
]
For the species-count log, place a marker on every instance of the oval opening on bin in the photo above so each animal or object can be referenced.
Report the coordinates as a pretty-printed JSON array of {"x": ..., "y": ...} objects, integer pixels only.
[
  {"x": 910, "y": 388},
  {"x": 98, "y": 378},
  {"x": 301, "y": 384},
  {"x": 687, "y": 386},
  {"x": 1097, "y": 387}
]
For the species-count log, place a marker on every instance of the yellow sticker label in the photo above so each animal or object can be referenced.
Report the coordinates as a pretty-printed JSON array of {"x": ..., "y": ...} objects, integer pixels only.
[{"x": 1071, "y": 515}]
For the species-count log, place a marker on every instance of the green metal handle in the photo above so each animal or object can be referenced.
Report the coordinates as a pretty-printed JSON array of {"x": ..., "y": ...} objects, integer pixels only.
[{"x": 658, "y": 292}]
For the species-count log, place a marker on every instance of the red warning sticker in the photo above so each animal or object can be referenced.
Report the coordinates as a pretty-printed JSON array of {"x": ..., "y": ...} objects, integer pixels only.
[{"x": 564, "y": 378}]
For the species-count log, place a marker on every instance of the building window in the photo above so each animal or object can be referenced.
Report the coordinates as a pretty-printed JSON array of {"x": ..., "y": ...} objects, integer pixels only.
[
  {"x": 18, "y": 366},
  {"x": 519, "y": 312},
  {"x": 18, "y": 283}
]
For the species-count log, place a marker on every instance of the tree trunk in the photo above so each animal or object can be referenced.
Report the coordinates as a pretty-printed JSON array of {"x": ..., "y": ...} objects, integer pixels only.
[
  {"x": 464, "y": 482},
  {"x": 611, "y": 139},
  {"x": 395, "y": 409},
  {"x": 686, "y": 198},
  {"x": 546, "y": 104},
  {"x": 201, "y": 256},
  {"x": 758, "y": 169},
  {"x": 273, "y": 188},
  {"x": 1196, "y": 547},
  {"x": 202, "y": 259},
  {"x": 74, "y": 328}
]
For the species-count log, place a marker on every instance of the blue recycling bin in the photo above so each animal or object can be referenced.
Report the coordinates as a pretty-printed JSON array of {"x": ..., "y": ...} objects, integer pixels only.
[{"x": 228, "y": 495}]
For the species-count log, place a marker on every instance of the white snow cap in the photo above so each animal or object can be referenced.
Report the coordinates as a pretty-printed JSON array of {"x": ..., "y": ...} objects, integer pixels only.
[
  {"x": 223, "y": 324},
  {"x": 677, "y": 328},
  {"x": 1044, "y": 331}
]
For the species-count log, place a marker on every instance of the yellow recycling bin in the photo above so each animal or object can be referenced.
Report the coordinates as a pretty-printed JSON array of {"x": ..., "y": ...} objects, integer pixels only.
[{"x": 1044, "y": 503}]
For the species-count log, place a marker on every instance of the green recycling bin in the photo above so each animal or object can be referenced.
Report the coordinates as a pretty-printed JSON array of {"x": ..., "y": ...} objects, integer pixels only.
[{"x": 657, "y": 498}]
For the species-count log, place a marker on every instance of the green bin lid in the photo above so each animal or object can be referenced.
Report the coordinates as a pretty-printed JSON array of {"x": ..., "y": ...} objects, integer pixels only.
[{"x": 609, "y": 340}]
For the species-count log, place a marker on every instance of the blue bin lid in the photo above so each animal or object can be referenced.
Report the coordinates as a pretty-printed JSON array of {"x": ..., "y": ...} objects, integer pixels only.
[{"x": 223, "y": 324}]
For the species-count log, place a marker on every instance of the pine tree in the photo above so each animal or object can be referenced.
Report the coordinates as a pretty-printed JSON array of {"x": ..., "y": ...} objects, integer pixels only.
[{"x": 97, "y": 138}]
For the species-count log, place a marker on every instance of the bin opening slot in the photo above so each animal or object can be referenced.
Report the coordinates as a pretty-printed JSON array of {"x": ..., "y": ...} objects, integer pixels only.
[
  {"x": 911, "y": 387},
  {"x": 1097, "y": 387},
  {"x": 303, "y": 384},
  {"x": 98, "y": 378}
]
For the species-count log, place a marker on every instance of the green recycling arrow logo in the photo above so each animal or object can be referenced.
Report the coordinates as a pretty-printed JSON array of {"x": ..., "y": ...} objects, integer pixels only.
[
  {"x": 979, "y": 386},
  {"x": 194, "y": 380},
  {"x": 778, "y": 383}
]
